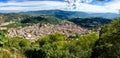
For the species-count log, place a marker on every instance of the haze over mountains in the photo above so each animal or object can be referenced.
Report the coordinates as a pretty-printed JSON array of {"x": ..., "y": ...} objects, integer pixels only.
[{"x": 70, "y": 14}]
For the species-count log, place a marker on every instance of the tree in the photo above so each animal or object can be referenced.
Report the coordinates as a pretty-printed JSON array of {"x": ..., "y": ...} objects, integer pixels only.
[
  {"x": 50, "y": 46},
  {"x": 108, "y": 46},
  {"x": 82, "y": 46},
  {"x": 2, "y": 35}
]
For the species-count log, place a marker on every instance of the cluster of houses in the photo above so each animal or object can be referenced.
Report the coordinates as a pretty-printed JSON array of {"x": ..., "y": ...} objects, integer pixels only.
[{"x": 37, "y": 31}]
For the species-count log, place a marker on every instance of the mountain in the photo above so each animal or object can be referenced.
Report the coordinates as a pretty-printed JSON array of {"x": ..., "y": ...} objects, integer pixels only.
[
  {"x": 7, "y": 17},
  {"x": 90, "y": 22},
  {"x": 70, "y": 14},
  {"x": 41, "y": 19},
  {"x": 9, "y": 11}
]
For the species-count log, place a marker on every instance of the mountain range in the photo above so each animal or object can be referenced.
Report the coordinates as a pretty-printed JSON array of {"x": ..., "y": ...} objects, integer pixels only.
[{"x": 70, "y": 14}]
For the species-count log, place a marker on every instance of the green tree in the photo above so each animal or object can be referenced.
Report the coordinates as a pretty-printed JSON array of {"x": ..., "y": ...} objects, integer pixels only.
[
  {"x": 56, "y": 46},
  {"x": 82, "y": 46},
  {"x": 108, "y": 46},
  {"x": 50, "y": 46},
  {"x": 2, "y": 35}
]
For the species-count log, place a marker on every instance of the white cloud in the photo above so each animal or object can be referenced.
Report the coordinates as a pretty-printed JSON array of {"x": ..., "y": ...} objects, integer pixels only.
[
  {"x": 31, "y": 5},
  {"x": 46, "y": 5},
  {"x": 113, "y": 5}
]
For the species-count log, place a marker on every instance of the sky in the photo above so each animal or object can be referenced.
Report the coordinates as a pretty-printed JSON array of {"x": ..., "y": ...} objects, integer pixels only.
[{"x": 93, "y": 6}]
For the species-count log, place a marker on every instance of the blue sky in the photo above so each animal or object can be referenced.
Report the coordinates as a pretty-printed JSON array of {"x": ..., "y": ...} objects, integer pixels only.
[{"x": 81, "y": 5}]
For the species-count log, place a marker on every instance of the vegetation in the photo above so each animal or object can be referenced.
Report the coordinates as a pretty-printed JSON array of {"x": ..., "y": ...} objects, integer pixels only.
[
  {"x": 70, "y": 14},
  {"x": 18, "y": 20},
  {"x": 92, "y": 22},
  {"x": 41, "y": 19},
  {"x": 13, "y": 17},
  {"x": 2, "y": 35},
  {"x": 108, "y": 46},
  {"x": 16, "y": 25},
  {"x": 56, "y": 46},
  {"x": 21, "y": 20},
  {"x": 93, "y": 45},
  {"x": 51, "y": 46}
]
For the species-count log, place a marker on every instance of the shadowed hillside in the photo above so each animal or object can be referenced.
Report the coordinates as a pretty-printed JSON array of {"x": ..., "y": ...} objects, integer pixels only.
[{"x": 90, "y": 22}]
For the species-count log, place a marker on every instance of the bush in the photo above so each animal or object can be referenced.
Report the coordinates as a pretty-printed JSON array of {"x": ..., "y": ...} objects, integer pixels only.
[
  {"x": 82, "y": 46},
  {"x": 2, "y": 35},
  {"x": 17, "y": 42},
  {"x": 56, "y": 46}
]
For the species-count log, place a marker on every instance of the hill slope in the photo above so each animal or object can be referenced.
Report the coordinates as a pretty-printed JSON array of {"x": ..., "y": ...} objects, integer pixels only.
[
  {"x": 108, "y": 46},
  {"x": 90, "y": 22},
  {"x": 70, "y": 14}
]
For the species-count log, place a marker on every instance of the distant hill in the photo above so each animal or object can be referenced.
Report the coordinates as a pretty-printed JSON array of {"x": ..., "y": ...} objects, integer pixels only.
[
  {"x": 7, "y": 17},
  {"x": 70, "y": 14},
  {"x": 24, "y": 19},
  {"x": 17, "y": 20},
  {"x": 41, "y": 19},
  {"x": 90, "y": 22}
]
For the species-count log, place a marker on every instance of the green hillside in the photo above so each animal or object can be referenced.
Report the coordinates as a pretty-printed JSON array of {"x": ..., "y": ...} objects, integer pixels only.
[
  {"x": 18, "y": 20},
  {"x": 13, "y": 17},
  {"x": 108, "y": 46},
  {"x": 41, "y": 19},
  {"x": 90, "y": 22}
]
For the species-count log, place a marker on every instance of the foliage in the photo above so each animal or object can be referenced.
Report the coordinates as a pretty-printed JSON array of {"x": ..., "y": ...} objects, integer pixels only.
[
  {"x": 2, "y": 35},
  {"x": 14, "y": 47},
  {"x": 81, "y": 47},
  {"x": 13, "y": 17},
  {"x": 108, "y": 46},
  {"x": 51, "y": 46},
  {"x": 90, "y": 22},
  {"x": 17, "y": 42},
  {"x": 41, "y": 19},
  {"x": 16, "y": 25},
  {"x": 56, "y": 46},
  {"x": 8, "y": 53}
]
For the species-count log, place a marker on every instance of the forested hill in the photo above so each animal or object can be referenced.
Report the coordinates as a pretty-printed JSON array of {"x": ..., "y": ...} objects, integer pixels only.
[
  {"x": 70, "y": 14},
  {"x": 41, "y": 19},
  {"x": 90, "y": 22},
  {"x": 17, "y": 20},
  {"x": 22, "y": 19},
  {"x": 12, "y": 17}
]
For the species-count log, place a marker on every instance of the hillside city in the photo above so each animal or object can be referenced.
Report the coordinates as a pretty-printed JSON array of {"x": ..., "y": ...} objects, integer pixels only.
[{"x": 59, "y": 28}]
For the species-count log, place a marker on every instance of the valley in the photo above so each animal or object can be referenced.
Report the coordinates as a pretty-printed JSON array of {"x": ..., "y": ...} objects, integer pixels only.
[
  {"x": 49, "y": 36},
  {"x": 59, "y": 28}
]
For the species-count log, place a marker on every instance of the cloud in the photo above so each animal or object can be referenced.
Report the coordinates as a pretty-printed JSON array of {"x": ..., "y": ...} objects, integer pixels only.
[
  {"x": 113, "y": 5},
  {"x": 47, "y": 5},
  {"x": 29, "y": 0},
  {"x": 31, "y": 5}
]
